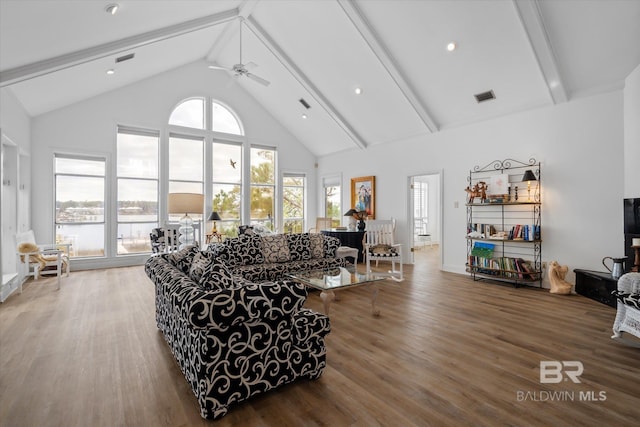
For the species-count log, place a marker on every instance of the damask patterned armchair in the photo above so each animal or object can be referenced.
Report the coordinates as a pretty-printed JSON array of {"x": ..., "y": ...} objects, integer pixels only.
[{"x": 233, "y": 338}]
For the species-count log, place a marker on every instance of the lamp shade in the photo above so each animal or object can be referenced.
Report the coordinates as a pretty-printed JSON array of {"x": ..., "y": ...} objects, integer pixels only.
[
  {"x": 185, "y": 203},
  {"x": 214, "y": 217},
  {"x": 351, "y": 212},
  {"x": 528, "y": 176}
]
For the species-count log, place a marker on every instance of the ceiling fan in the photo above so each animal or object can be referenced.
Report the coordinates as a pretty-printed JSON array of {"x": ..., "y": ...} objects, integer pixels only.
[{"x": 242, "y": 69}]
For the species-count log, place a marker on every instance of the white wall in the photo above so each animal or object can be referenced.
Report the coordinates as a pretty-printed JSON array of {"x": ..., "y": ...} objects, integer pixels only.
[
  {"x": 90, "y": 127},
  {"x": 632, "y": 134},
  {"x": 14, "y": 120},
  {"x": 580, "y": 145}
]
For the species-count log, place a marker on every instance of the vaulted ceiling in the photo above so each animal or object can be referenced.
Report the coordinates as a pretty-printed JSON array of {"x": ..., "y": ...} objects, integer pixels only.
[{"x": 529, "y": 53}]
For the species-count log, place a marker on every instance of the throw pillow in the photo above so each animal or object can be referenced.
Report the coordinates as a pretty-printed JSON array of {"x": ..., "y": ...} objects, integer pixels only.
[
  {"x": 331, "y": 245},
  {"x": 275, "y": 248},
  {"x": 246, "y": 249},
  {"x": 216, "y": 277},
  {"x": 183, "y": 258},
  {"x": 299, "y": 246},
  {"x": 200, "y": 262},
  {"x": 317, "y": 245}
]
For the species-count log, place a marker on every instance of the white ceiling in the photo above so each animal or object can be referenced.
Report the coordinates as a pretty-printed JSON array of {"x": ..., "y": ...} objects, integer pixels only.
[{"x": 531, "y": 53}]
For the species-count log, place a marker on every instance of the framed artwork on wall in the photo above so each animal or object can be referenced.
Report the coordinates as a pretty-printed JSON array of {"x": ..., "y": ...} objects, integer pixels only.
[{"x": 363, "y": 195}]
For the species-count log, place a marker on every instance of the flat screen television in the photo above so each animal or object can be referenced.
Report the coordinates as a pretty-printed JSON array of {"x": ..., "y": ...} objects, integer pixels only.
[
  {"x": 631, "y": 229},
  {"x": 632, "y": 216}
]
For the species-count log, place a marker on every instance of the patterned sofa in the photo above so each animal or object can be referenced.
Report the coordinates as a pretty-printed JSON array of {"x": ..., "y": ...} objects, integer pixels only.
[
  {"x": 233, "y": 337},
  {"x": 257, "y": 258}
]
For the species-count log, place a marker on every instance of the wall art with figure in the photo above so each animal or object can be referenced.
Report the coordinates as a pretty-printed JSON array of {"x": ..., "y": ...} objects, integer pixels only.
[{"x": 363, "y": 191}]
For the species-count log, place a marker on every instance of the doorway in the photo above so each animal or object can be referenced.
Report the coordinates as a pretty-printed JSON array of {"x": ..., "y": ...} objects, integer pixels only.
[{"x": 424, "y": 217}]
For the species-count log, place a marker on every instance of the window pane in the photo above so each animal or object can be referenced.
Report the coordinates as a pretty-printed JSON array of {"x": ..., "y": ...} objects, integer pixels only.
[
  {"x": 190, "y": 114},
  {"x": 293, "y": 202},
  {"x": 226, "y": 201},
  {"x": 87, "y": 240},
  {"x": 223, "y": 120},
  {"x": 185, "y": 159},
  {"x": 332, "y": 203},
  {"x": 293, "y": 181},
  {"x": 137, "y": 156},
  {"x": 80, "y": 166},
  {"x": 293, "y": 225},
  {"x": 185, "y": 187},
  {"x": 79, "y": 199},
  {"x": 226, "y": 163},
  {"x": 262, "y": 202},
  {"x": 262, "y": 166},
  {"x": 134, "y": 238},
  {"x": 137, "y": 200}
]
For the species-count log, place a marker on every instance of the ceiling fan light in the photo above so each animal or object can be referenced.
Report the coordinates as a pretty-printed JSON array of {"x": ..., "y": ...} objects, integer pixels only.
[{"x": 111, "y": 71}]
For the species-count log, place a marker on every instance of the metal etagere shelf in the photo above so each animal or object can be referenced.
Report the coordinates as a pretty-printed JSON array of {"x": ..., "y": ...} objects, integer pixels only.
[{"x": 504, "y": 235}]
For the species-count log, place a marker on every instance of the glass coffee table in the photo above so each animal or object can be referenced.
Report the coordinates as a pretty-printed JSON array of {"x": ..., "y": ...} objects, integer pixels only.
[{"x": 333, "y": 279}]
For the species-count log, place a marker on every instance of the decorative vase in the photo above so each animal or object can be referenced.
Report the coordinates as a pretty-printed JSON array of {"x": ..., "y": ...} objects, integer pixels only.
[{"x": 361, "y": 225}]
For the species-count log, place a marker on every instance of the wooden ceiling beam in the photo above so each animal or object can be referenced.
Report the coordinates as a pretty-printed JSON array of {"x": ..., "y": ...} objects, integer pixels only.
[
  {"x": 293, "y": 69},
  {"x": 529, "y": 13},
  {"x": 40, "y": 68},
  {"x": 388, "y": 62}
]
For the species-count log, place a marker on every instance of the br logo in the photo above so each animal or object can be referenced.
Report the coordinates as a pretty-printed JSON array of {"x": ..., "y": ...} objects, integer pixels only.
[{"x": 554, "y": 371}]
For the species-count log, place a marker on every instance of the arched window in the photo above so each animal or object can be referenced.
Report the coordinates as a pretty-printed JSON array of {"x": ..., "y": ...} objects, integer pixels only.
[
  {"x": 189, "y": 113},
  {"x": 223, "y": 120}
]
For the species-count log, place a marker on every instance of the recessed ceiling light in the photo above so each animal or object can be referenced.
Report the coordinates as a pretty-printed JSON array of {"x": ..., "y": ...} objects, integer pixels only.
[
  {"x": 111, "y": 71},
  {"x": 112, "y": 8},
  {"x": 304, "y": 116},
  {"x": 358, "y": 91},
  {"x": 451, "y": 47}
]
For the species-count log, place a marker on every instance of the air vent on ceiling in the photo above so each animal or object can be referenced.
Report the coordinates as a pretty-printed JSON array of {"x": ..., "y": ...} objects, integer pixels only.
[
  {"x": 305, "y": 103},
  {"x": 125, "y": 57},
  {"x": 485, "y": 96}
]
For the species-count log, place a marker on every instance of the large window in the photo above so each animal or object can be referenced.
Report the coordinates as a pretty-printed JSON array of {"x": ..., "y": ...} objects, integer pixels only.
[
  {"x": 186, "y": 163},
  {"x": 80, "y": 204},
  {"x": 226, "y": 187},
  {"x": 189, "y": 113},
  {"x": 293, "y": 187},
  {"x": 263, "y": 186},
  {"x": 137, "y": 170}
]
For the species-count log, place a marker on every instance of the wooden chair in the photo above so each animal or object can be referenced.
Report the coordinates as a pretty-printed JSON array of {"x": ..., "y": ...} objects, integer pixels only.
[
  {"x": 164, "y": 240},
  {"x": 379, "y": 245},
  {"x": 322, "y": 223},
  {"x": 39, "y": 260}
]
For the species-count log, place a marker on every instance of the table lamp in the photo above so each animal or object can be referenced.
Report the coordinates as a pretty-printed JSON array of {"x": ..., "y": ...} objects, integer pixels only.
[
  {"x": 528, "y": 177},
  {"x": 186, "y": 203},
  {"x": 214, "y": 217}
]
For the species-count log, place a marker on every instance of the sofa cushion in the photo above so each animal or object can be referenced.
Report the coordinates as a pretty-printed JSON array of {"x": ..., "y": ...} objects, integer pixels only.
[
  {"x": 299, "y": 246},
  {"x": 246, "y": 249},
  {"x": 275, "y": 248},
  {"x": 200, "y": 262},
  {"x": 316, "y": 242},
  {"x": 331, "y": 245},
  {"x": 216, "y": 276},
  {"x": 183, "y": 258}
]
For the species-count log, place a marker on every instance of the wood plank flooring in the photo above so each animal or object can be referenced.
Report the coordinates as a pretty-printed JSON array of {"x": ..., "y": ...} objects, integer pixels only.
[{"x": 445, "y": 351}]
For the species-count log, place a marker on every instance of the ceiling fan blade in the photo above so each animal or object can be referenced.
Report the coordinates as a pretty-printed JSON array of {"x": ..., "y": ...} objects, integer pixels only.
[
  {"x": 258, "y": 79},
  {"x": 217, "y": 67},
  {"x": 250, "y": 66}
]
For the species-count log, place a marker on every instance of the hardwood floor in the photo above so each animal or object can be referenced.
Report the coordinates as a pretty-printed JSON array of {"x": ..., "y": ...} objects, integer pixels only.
[{"x": 444, "y": 351}]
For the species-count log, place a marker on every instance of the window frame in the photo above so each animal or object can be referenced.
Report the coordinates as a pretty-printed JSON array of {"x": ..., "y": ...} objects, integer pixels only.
[{"x": 105, "y": 196}]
